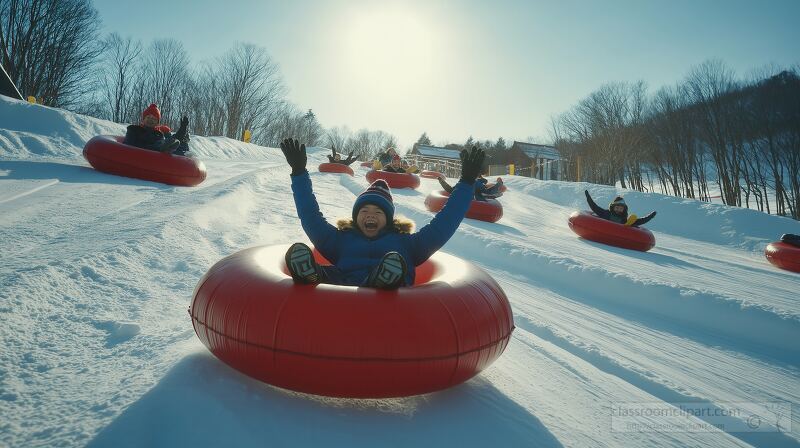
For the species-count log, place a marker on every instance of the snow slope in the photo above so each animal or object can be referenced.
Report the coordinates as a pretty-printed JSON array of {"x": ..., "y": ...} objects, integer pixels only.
[{"x": 97, "y": 349}]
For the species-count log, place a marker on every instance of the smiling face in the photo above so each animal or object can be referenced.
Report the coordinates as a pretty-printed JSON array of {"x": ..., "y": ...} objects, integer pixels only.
[
  {"x": 396, "y": 163},
  {"x": 370, "y": 220},
  {"x": 618, "y": 210},
  {"x": 149, "y": 121}
]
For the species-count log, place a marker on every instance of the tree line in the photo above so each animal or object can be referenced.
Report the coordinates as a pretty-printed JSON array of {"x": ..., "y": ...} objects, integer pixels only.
[
  {"x": 53, "y": 50},
  {"x": 711, "y": 132}
]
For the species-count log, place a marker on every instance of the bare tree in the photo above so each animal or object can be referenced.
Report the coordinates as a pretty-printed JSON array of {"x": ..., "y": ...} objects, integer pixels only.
[
  {"x": 120, "y": 58},
  {"x": 49, "y": 47},
  {"x": 162, "y": 74},
  {"x": 709, "y": 86}
]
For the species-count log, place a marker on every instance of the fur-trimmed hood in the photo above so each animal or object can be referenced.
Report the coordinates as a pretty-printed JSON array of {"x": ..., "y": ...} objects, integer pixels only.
[{"x": 400, "y": 224}]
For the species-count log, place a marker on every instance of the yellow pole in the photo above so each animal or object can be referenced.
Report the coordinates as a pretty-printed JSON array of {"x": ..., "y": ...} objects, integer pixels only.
[
  {"x": 511, "y": 169},
  {"x": 246, "y": 136}
]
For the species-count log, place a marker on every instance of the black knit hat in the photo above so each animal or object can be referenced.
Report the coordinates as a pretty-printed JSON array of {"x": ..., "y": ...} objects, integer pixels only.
[
  {"x": 619, "y": 200},
  {"x": 378, "y": 194}
]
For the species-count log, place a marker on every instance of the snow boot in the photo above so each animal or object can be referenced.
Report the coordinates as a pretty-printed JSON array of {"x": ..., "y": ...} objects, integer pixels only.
[
  {"x": 301, "y": 264},
  {"x": 166, "y": 145},
  {"x": 390, "y": 273},
  {"x": 171, "y": 145}
]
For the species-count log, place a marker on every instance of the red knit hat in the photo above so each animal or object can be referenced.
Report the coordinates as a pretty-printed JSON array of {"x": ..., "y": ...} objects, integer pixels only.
[{"x": 152, "y": 110}]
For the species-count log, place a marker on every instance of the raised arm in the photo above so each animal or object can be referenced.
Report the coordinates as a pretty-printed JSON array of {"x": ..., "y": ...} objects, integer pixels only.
[
  {"x": 433, "y": 236},
  {"x": 321, "y": 233},
  {"x": 644, "y": 220},
  {"x": 350, "y": 159},
  {"x": 595, "y": 208}
]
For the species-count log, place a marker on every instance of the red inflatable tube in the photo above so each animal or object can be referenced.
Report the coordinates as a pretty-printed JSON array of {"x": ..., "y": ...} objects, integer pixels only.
[
  {"x": 367, "y": 164},
  {"x": 489, "y": 211},
  {"x": 431, "y": 174},
  {"x": 783, "y": 255},
  {"x": 591, "y": 227},
  {"x": 335, "y": 168},
  {"x": 395, "y": 180},
  {"x": 107, "y": 154},
  {"x": 344, "y": 341}
]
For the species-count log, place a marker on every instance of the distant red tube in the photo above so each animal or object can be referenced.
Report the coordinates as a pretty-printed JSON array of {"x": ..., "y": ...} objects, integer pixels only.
[
  {"x": 335, "y": 168},
  {"x": 367, "y": 164},
  {"x": 108, "y": 154},
  {"x": 345, "y": 341},
  {"x": 431, "y": 174},
  {"x": 489, "y": 211},
  {"x": 395, "y": 180},
  {"x": 783, "y": 255},
  {"x": 594, "y": 228}
]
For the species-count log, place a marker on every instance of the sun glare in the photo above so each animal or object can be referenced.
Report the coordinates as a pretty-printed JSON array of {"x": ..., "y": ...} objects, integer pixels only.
[{"x": 389, "y": 49}]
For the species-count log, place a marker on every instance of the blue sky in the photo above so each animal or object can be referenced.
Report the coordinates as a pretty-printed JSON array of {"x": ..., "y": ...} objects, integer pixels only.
[{"x": 459, "y": 68}]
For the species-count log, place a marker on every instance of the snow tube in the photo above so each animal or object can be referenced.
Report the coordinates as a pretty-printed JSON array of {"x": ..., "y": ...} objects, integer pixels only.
[
  {"x": 783, "y": 255},
  {"x": 108, "y": 154},
  {"x": 344, "y": 341},
  {"x": 395, "y": 180},
  {"x": 489, "y": 211},
  {"x": 431, "y": 174},
  {"x": 367, "y": 164},
  {"x": 335, "y": 168},
  {"x": 592, "y": 227}
]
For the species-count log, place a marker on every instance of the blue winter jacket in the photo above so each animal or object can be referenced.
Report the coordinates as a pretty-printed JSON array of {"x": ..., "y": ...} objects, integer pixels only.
[{"x": 355, "y": 255}]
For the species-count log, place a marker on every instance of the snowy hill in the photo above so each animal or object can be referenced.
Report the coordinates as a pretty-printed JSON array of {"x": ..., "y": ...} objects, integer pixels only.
[{"x": 96, "y": 346}]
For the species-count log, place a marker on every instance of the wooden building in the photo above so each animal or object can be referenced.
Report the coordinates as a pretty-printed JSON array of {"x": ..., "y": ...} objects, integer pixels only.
[
  {"x": 539, "y": 161},
  {"x": 434, "y": 158}
]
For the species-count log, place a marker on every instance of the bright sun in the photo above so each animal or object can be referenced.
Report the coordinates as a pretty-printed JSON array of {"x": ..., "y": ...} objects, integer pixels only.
[{"x": 389, "y": 49}]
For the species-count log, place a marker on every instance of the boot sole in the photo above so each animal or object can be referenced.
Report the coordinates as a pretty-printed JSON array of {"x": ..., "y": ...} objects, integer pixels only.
[
  {"x": 301, "y": 264},
  {"x": 391, "y": 272}
]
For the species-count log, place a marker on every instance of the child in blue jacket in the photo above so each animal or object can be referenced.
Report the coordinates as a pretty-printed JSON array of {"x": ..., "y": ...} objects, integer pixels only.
[{"x": 372, "y": 248}]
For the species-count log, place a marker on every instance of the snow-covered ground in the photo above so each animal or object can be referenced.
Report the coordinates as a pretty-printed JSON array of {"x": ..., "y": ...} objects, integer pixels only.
[{"x": 97, "y": 272}]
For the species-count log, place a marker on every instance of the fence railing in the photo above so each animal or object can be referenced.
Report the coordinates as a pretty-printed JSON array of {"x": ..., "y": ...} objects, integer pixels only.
[{"x": 450, "y": 168}]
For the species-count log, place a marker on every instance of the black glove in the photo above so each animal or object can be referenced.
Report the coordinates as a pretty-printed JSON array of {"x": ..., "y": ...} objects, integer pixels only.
[
  {"x": 471, "y": 164},
  {"x": 295, "y": 154}
]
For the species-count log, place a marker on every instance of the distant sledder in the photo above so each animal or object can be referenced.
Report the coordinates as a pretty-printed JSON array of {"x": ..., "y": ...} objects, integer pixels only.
[
  {"x": 618, "y": 212},
  {"x": 482, "y": 191},
  {"x": 335, "y": 157},
  {"x": 785, "y": 253},
  {"x": 149, "y": 134},
  {"x": 613, "y": 226}
]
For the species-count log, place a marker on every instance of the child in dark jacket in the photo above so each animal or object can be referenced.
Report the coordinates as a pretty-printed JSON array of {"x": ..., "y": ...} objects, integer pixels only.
[
  {"x": 395, "y": 166},
  {"x": 149, "y": 134},
  {"x": 372, "y": 248},
  {"x": 335, "y": 157},
  {"x": 482, "y": 192},
  {"x": 617, "y": 211}
]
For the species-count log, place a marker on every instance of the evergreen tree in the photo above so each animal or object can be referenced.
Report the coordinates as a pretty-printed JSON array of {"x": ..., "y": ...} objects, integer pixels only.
[
  {"x": 424, "y": 139},
  {"x": 500, "y": 145},
  {"x": 469, "y": 143}
]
